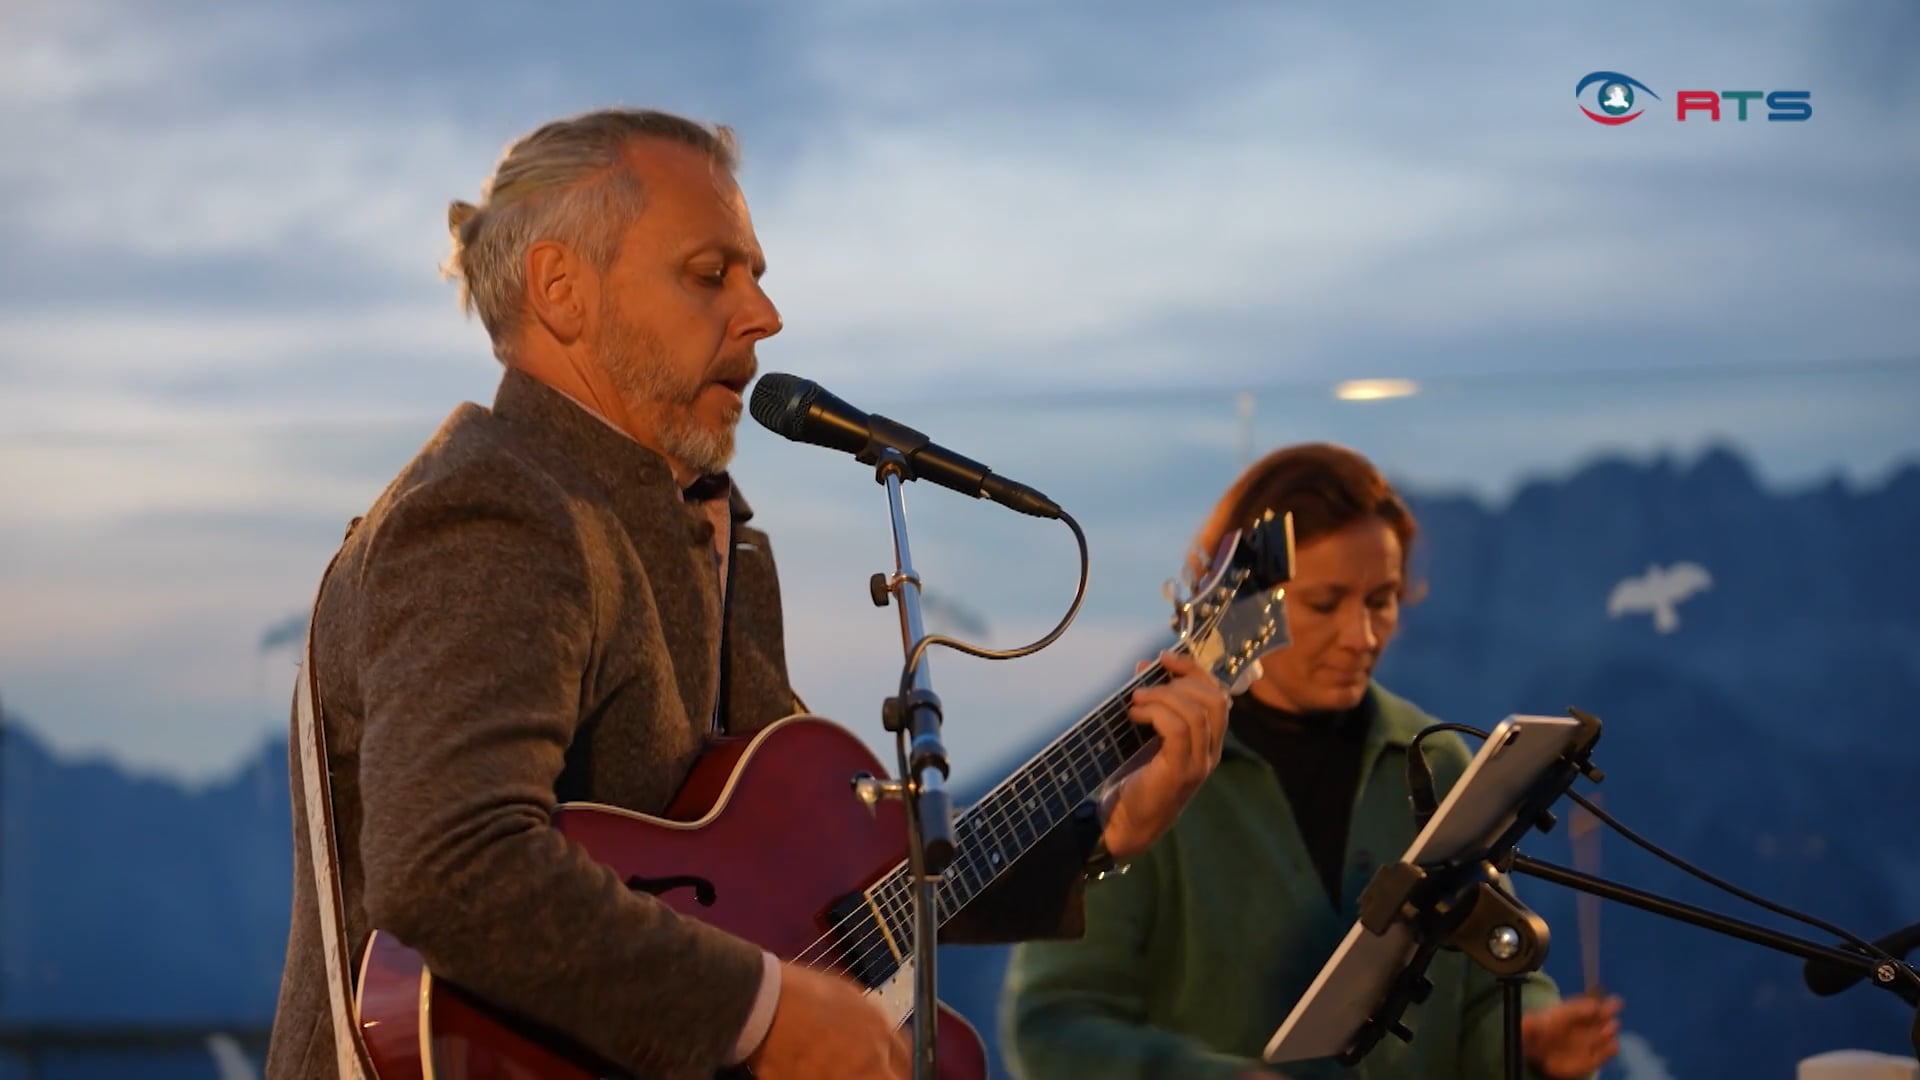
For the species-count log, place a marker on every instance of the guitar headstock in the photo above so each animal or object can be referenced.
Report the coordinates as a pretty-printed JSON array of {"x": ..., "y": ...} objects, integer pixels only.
[{"x": 1236, "y": 610}]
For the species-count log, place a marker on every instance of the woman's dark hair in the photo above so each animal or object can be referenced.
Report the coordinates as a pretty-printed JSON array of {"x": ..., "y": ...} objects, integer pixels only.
[{"x": 1324, "y": 486}]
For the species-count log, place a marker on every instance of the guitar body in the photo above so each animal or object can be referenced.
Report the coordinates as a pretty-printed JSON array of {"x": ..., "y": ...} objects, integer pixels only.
[
  {"x": 765, "y": 837},
  {"x": 768, "y": 839}
]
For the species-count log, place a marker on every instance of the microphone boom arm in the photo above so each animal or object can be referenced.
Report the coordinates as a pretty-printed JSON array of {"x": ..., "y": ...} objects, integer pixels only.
[{"x": 1890, "y": 975}]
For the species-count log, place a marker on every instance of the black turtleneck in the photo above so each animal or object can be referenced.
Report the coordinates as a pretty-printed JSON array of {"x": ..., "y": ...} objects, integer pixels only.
[{"x": 1316, "y": 757}]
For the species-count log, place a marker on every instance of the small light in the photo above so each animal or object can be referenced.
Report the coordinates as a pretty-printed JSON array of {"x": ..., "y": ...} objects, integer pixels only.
[{"x": 1375, "y": 389}]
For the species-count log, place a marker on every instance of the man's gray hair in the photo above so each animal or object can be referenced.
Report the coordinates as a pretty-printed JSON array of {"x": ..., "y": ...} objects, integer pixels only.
[{"x": 565, "y": 181}]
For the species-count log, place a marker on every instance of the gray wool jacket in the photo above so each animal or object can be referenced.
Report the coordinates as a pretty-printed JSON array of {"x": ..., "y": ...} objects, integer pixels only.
[{"x": 528, "y": 615}]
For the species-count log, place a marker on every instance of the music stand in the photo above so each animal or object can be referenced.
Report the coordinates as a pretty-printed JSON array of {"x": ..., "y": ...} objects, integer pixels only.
[{"x": 1444, "y": 894}]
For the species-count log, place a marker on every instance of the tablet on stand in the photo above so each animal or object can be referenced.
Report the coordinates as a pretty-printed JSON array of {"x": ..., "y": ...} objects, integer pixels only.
[{"x": 1443, "y": 893}]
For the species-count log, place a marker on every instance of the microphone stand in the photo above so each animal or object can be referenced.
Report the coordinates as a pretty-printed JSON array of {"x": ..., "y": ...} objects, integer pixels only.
[{"x": 915, "y": 718}]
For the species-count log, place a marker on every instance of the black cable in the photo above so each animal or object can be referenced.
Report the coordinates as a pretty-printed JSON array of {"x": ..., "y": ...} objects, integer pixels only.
[
  {"x": 1871, "y": 950},
  {"x": 1420, "y": 786},
  {"x": 920, "y": 647},
  {"x": 1420, "y": 778}
]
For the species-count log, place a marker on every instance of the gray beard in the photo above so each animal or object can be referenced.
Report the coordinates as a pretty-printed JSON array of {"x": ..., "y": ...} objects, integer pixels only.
[
  {"x": 637, "y": 364},
  {"x": 702, "y": 450}
]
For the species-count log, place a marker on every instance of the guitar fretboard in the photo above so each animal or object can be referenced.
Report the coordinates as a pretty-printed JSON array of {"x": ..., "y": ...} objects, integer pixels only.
[{"x": 990, "y": 835}]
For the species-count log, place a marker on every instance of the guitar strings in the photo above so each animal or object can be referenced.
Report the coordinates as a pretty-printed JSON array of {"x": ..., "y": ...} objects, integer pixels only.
[
  {"x": 886, "y": 893},
  {"x": 892, "y": 893},
  {"x": 1110, "y": 718},
  {"x": 992, "y": 816},
  {"x": 991, "y": 812}
]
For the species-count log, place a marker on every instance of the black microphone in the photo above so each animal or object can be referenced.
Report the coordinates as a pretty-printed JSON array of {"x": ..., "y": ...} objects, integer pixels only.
[
  {"x": 800, "y": 410},
  {"x": 1826, "y": 977}
]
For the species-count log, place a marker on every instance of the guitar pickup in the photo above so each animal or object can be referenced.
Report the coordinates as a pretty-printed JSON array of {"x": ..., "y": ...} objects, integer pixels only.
[{"x": 865, "y": 946}]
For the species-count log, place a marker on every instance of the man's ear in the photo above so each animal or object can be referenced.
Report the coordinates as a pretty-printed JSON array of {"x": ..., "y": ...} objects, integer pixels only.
[{"x": 562, "y": 290}]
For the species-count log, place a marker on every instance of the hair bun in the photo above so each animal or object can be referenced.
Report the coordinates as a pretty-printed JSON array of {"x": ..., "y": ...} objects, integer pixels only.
[{"x": 459, "y": 212}]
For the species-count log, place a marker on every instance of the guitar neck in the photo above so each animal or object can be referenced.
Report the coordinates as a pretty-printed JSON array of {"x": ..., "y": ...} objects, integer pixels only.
[{"x": 1009, "y": 820}]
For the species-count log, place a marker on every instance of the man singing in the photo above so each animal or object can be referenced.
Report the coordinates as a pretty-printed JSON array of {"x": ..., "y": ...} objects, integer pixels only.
[{"x": 560, "y": 599}]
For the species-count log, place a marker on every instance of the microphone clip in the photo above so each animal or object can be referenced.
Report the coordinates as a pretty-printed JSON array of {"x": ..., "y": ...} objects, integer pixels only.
[{"x": 891, "y": 445}]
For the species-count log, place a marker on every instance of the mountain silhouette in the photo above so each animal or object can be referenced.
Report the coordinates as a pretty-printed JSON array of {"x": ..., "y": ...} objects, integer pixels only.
[{"x": 1755, "y": 727}]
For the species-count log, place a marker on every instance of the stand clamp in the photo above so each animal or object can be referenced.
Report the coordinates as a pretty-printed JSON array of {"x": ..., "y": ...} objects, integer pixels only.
[{"x": 1459, "y": 907}]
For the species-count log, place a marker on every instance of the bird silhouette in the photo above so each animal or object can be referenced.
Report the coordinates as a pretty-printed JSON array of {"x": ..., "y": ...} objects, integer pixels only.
[{"x": 1659, "y": 592}]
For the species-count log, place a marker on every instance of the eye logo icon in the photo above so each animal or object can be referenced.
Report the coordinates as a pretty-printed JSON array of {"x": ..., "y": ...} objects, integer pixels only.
[{"x": 1614, "y": 95}]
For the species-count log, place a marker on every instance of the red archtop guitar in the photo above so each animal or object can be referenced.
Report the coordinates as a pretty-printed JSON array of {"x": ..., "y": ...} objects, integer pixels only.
[{"x": 844, "y": 905}]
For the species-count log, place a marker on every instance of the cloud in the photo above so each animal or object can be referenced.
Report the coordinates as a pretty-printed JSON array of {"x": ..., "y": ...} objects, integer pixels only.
[
  {"x": 145, "y": 151},
  {"x": 179, "y": 230},
  {"x": 86, "y": 485},
  {"x": 149, "y": 347},
  {"x": 276, "y": 183},
  {"x": 978, "y": 247},
  {"x": 75, "y": 52},
  {"x": 1282, "y": 207},
  {"x": 140, "y": 639},
  {"x": 223, "y": 330},
  {"x": 947, "y": 203}
]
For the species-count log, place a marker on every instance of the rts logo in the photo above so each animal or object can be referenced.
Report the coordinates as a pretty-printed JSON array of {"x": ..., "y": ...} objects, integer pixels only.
[{"x": 1614, "y": 96}]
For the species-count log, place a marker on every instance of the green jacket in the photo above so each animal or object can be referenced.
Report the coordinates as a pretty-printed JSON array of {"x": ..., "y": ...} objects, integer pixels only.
[{"x": 1193, "y": 957}]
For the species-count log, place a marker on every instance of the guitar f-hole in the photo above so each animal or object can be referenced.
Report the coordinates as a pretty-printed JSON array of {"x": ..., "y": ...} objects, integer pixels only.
[{"x": 703, "y": 890}]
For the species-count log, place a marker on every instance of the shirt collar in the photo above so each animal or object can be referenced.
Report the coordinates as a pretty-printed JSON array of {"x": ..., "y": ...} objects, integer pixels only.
[
  {"x": 1391, "y": 721},
  {"x": 708, "y": 488}
]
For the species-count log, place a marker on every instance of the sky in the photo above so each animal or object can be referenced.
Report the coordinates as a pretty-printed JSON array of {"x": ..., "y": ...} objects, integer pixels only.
[{"x": 1062, "y": 241}]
